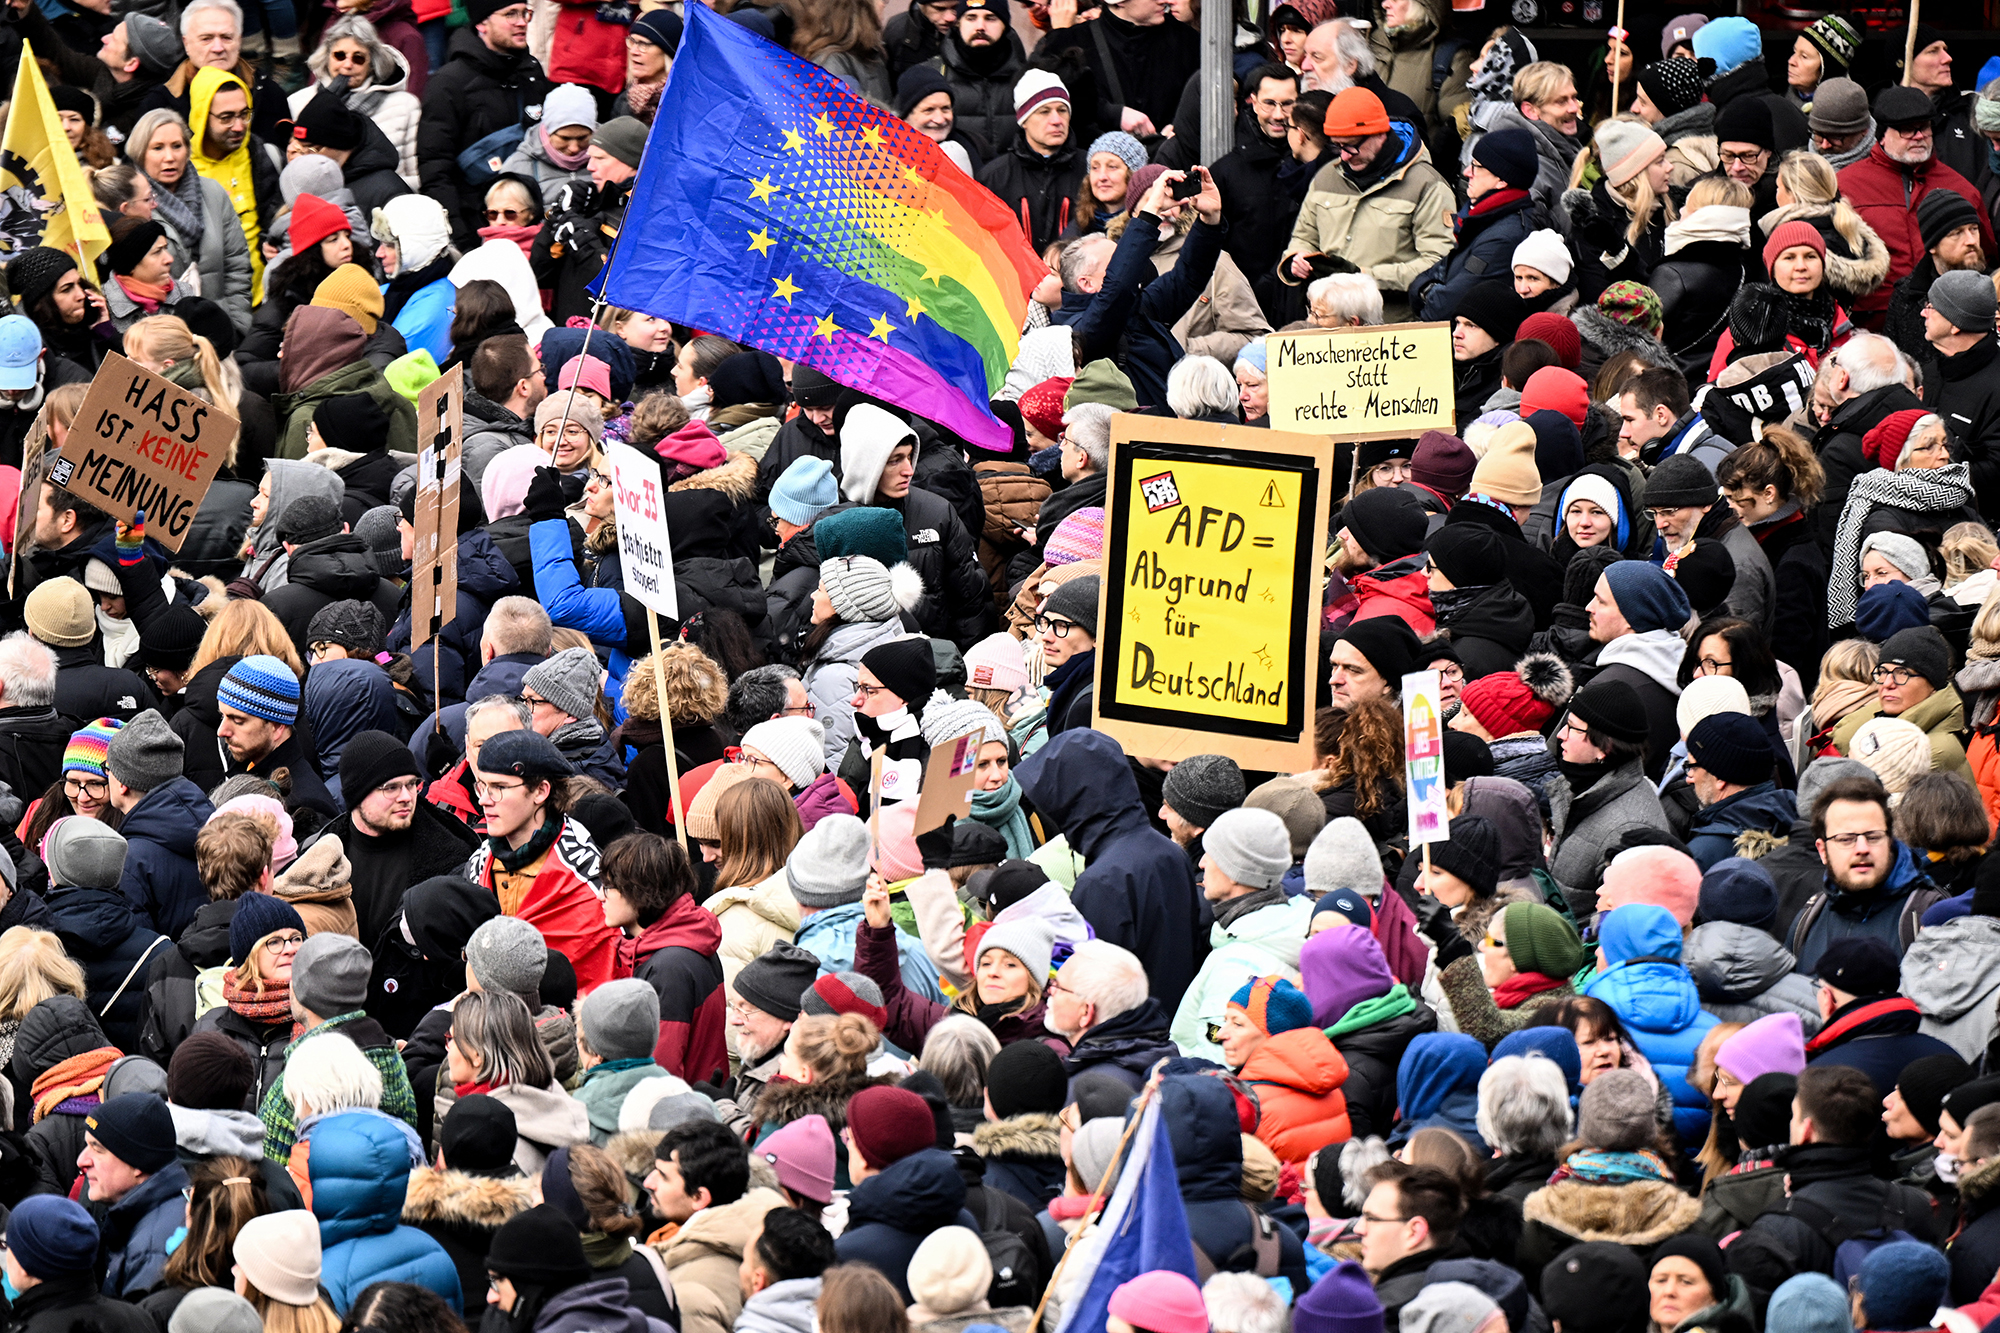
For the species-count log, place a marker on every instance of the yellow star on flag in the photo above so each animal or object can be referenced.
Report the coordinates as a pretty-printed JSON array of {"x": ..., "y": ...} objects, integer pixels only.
[
  {"x": 881, "y": 328},
  {"x": 825, "y": 328},
  {"x": 822, "y": 126},
  {"x": 872, "y": 137},
  {"x": 915, "y": 308},
  {"x": 913, "y": 176},
  {"x": 761, "y": 188},
  {"x": 786, "y": 288},
  {"x": 761, "y": 242},
  {"x": 794, "y": 142},
  {"x": 933, "y": 275}
]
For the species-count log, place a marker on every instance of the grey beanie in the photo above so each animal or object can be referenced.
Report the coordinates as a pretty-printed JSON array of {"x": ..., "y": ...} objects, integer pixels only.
[
  {"x": 1900, "y": 550},
  {"x": 679, "y": 1108},
  {"x": 1965, "y": 297},
  {"x": 1619, "y": 1112},
  {"x": 145, "y": 754},
  {"x": 330, "y": 974},
  {"x": 814, "y": 1004},
  {"x": 1448, "y": 1307},
  {"x": 1077, "y": 601},
  {"x": 1823, "y": 773},
  {"x": 863, "y": 590},
  {"x": 1252, "y": 847},
  {"x": 379, "y": 532},
  {"x": 1202, "y": 787},
  {"x": 155, "y": 43},
  {"x": 1839, "y": 108},
  {"x": 1343, "y": 856},
  {"x": 83, "y": 854},
  {"x": 570, "y": 680},
  {"x": 213, "y": 1309},
  {"x": 621, "y": 1019},
  {"x": 829, "y": 866},
  {"x": 506, "y": 954},
  {"x": 1093, "y": 1147},
  {"x": 1032, "y": 939}
]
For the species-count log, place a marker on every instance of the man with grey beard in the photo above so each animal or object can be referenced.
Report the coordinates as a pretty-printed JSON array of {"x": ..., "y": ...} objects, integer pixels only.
[
  {"x": 1338, "y": 56},
  {"x": 1949, "y": 227}
]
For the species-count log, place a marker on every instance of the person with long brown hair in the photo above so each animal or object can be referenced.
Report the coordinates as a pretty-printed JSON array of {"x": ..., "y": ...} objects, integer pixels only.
[
  {"x": 844, "y": 37},
  {"x": 1772, "y": 482},
  {"x": 589, "y": 1189},
  {"x": 1360, "y": 771},
  {"x": 224, "y": 1193},
  {"x": 670, "y": 943}
]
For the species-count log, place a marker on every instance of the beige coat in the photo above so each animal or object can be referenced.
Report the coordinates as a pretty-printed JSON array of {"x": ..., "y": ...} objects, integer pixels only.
[
  {"x": 704, "y": 1255},
  {"x": 1224, "y": 317},
  {"x": 1404, "y": 60},
  {"x": 1393, "y": 231},
  {"x": 320, "y": 884}
]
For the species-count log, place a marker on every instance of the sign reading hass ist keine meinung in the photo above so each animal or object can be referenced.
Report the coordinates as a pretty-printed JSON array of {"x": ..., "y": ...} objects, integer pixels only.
[
  {"x": 141, "y": 443},
  {"x": 1385, "y": 382},
  {"x": 1208, "y": 627}
]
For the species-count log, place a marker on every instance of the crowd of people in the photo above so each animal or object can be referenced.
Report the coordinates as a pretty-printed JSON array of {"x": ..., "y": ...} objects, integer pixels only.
[{"x": 365, "y": 973}]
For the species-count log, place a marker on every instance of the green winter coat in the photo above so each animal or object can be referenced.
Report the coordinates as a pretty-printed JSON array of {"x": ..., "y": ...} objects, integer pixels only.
[{"x": 296, "y": 409}]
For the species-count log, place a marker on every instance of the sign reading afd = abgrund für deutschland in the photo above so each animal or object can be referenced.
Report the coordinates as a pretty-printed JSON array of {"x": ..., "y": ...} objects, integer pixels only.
[{"x": 1389, "y": 381}]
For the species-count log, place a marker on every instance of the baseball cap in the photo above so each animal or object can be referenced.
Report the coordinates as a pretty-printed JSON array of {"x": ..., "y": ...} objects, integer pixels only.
[{"x": 20, "y": 352}]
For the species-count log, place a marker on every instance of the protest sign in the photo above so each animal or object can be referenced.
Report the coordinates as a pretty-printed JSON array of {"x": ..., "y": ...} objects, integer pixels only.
[
  {"x": 643, "y": 545},
  {"x": 32, "y": 446},
  {"x": 1389, "y": 381},
  {"x": 140, "y": 443},
  {"x": 947, "y": 789},
  {"x": 440, "y": 446},
  {"x": 1208, "y": 629},
  {"x": 1423, "y": 757}
]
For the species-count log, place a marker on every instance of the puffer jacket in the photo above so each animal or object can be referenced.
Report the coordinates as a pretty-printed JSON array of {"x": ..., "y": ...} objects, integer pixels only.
[
  {"x": 1013, "y": 498},
  {"x": 1125, "y": 1047},
  {"x": 57, "y": 1029},
  {"x": 332, "y": 569},
  {"x": 1484, "y": 252},
  {"x": 1942, "y": 719},
  {"x": 1394, "y": 228},
  {"x": 391, "y": 104},
  {"x": 461, "y": 1211},
  {"x": 360, "y": 1172},
  {"x": 99, "y": 929},
  {"x": 834, "y": 673},
  {"x": 1764, "y": 808},
  {"x": 1262, "y": 940},
  {"x": 1656, "y": 1001},
  {"x": 160, "y": 881},
  {"x": 1202, "y": 1121},
  {"x": 1743, "y": 974},
  {"x": 263, "y": 1043},
  {"x": 1023, "y": 1156},
  {"x": 296, "y": 409},
  {"x": 1297, "y": 1076},
  {"x": 171, "y": 980},
  {"x": 1585, "y": 825},
  {"x": 531, "y": 160},
  {"x": 753, "y": 917},
  {"x": 221, "y": 255},
  {"x": 133, "y": 1232},
  {"x": 1856, "y": 259},
  {"x": 1952, "y": 971}
]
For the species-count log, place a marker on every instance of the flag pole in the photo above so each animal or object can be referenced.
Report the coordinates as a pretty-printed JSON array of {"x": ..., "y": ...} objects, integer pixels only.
[
  {"x": 1097, "y": 1193},
  {"x": 1910, "y": 45}
]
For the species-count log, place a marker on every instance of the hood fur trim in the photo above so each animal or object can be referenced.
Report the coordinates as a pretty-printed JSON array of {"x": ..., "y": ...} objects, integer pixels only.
[
  {"x": 1643, "y": 1213},
  {"x": 1032, "y": 1135},
  {"x": 783, "y": 1103},
  {"x": 466, "y": 1200},
  {"x": 633, "y": 1151},
  {"x": 736, "y": 478}
]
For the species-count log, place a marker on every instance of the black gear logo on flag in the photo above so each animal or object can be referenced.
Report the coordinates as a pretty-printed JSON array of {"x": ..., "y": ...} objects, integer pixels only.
[{"x": 24, "y": 208}]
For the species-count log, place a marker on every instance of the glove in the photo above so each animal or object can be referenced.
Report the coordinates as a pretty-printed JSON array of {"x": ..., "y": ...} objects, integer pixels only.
[
  {"x": 439, "y": 754},
  {"x": 935, "y": 847},
  {"x": 131, "y": 540},
  {"x": 545, "y": 496},
  {"x": 572, "y": 491}
]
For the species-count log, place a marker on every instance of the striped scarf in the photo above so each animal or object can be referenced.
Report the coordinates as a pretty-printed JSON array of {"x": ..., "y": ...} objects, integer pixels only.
[{"x": 78, "y": 1076}]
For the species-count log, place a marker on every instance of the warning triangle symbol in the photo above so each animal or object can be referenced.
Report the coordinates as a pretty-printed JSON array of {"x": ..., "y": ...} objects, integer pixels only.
[{"x": 1271, "y": 500}]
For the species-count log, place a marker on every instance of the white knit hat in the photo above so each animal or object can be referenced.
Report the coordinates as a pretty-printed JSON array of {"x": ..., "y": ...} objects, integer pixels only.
[
  {"x": 279, "y": 1253},
  {"x": 863, "y": 591},
  {"x": 950, "y": 1272},
  {"x": 1897, "y": 750},
  {"x": 795, "y": 744},
  {"x": 1544, "y": 252},
  {"x": 1627, "y": 149},
  {"x": 1036, "y": 87},
  {"x": 1705, "y": 696},
  {"x": 946, "y": 719}
]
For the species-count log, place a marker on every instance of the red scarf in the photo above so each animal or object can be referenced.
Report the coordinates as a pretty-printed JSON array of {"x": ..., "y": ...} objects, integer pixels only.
[
  {"x": 1763, "y": 534},
  {"x": 1510, "y": 993},
  {"x": 269, "y": 1006},
  {"x": 521, "y": 236},
  {"x": 471, "y": 1089},
  {"x": 147, "y": 294},
  {"x": 1867, "y": 1013},
  {"x": 1488, "y": 203}
]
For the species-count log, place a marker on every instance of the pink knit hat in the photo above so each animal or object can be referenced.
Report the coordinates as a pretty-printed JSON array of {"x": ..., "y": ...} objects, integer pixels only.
[
  {"x": 802, "y": 1156},
  {"x": 895, "y": 855},
  {"x": 1161, "y": 1302},
  {"x": 694, "y": 445},
  {"x": 585, "y": 372},
  {"x": 1774, "y": 1044},
  {"x": 996, "y": 663},
  {"x": 1078, "y": 537},
  {"x": 287, "y": 849},
  {"x": 1657, "y": 875}
]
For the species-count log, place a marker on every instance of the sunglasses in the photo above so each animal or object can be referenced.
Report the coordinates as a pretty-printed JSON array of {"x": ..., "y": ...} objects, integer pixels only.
[{"x": 508, "y": 215}]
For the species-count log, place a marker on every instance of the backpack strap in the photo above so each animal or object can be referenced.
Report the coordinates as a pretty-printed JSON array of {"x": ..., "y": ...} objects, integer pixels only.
[
  {"x": 1118, "y": 94},
  {"x": 1837, "y": 1229},
  {"x": 1264, "y": 1241},
  {"x": 158, "y": 940}
]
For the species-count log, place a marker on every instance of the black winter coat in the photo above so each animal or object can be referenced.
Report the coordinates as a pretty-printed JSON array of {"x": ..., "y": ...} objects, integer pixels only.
[
  {"x": 32, "y": 741},
  {"x": 1838, "y": 1179},
  {"x": 53, "y": 1031},
  {"x": 1484, "y": 253},
  {"x": 1532, "y": 571},
  {"x": 888, "y": 1215},
  {"x": 1038, "y": 190},
  {"x": 1259, "y": 211},
  {"x": 1839, "y": 446},
  {"x": 982, "y": 86},
  {"x": 75, "y": 1305},
  {"x": 171, "y": 976},
  {"x": 461, "y": 1211},
  {"x": 1492, "y": 632},
  {"x": 1130, "y": 318},
  {"x": 1963, "y": 393},
  {"x": 332, "y": 569},
  {"x": 1372, "y": 1054},
  {"x": 477, "y": 92},
  {"x": 203, "y": 761},
  {"x": 263, "y": 1043},
  {"x": 1148, "y": 69},
  {"x": 956, "y": 604},
  {"x": 1801, "y": 572},
  {"x": 1126, "y": 1047},
  {"x": 307, "y": 791},
  {"x": 1696, "y": 283},
  {"x": 87, "y": 689},
  {"x": 370, "y": 173},
  {"x": 99, "y": 929}
]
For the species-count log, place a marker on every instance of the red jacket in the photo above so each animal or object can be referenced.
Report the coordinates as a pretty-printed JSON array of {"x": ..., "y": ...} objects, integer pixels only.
[
  {"x": 586, "y": 49},
  {"x": 1400, "y": 588},
  {"x": 1886, "y": 194},
  {"x": 677, "y": 957},
  {"x": 561, "y": 901},
  {"x": 453, "y": 793}
]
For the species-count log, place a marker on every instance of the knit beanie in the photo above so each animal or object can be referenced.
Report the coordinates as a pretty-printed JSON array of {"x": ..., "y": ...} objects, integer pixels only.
[
  {"x": 1627, "y": 149},
  {"x": 1888, "y": 609},
  {"x": 171, "y": 642},
  {"x": 1202, "y": 787},
  {"x": 137, "y": 1129},
  {"x": 1076, "y": 601},
  {"x": 330, "y": 974},
  {"x": 621, "y": 1019},
  {"x": 1291, "y": 800},
  {"x": 950, "y": 1272},
  {"x": 1942, "y": 212},
  {"x": 82, "y": 853},
  {"x": 1840, "y": 108},
  {"x": 1027, "y": 1078},
  {"x": 1344, "y": 856},
  {"x": 145, "y": 754},
  {"x": 371, "y": 760},
  {"x": 1774, "y": 1044},
  {"x": 906, "y": 666},
  {"x": 279, "y": 1255},
  {"x": 210, "y": 1072},
  {"x": 1510, "y": 154},
  {"x": 795, "y": 744},
  {"x": 34, "y": 272},
  {"x": 211, "y": 1309},
  {"x": 87, "y": 748},
  {"x": 570, "y": 680},
  {"x": 1508, "y": 702},
  {"x": 863, "y": 590},
  {"x": 996, "y": 662},
  {"x": 863, "y": 530},
  {"x": 1661, "y": 876},
  {"x": 1035, "y": 87},
  {"x": 309, "y": 518},
  {"x": 1598, "y": 1280},
  {"x": 1810, "y": 1303},
  {"x": 258, "y": 915},
  {"x": 1559, "y": 333},
  {"x": 60, "y": 612},
  {"x": 1863, "y": 965},
  {"x": 804, "y": 491},
  {"x": 1544, "y": 251},
  {"x": 1897, "y": 750},
  {"x": 1162, "y": 1301},
  {"x": 1507, "y": 472},
  {"x": 354, "y": 625},
  {"x": 623, "y": 137},
  {"x": 1925, "y": 1082},
  {"x": 1389, "y": 644},
  {"x": 1729, "y": 42},
  {"x": 1120, "y": 145},
  {"x": 887, "y": 1124},
  {"x": 802, "y": 1156},
  {"x": 1042, "y": 406},
  {"x": 1733, "y": 747},
  {"x": 351, "y": 291},
  {"x": 1102, "y": 382},
  {"x": 1746, "y": 120},
  {"x": 1673, "y": 84},
  {"x": 1471, "y": 852},
  {"x": 1837, "y": 40},
  {"x": 1617, "y": 1113},
  {"x": 844, "y": 993},
  {"x": 1885, "y": 444},
  {"x": 1442, "y": 462},
  {"x": 560, "y": 405},
  {"x": 1794, "y": 233},
  {"x": 262, "y": 686},
  {"x": 53, "y": 1237},
  {"x": 1923, "y": 650},
  {"x": 1448, "y": 1307},
  {"x": 508, "y": 955},
  {"x": 829, "y": 865},
  {"x": 1966, "y": 299},
  {"x": 1647, "y": 596},
  {"x": 1273, "y": 1005},
  {"x": 1739, "y": 891},
  {"x": 1539, "y": 940},
  {"x": 776, "y": 980},
  {"x": 1902, "y": 1284},
  {"x": 1613, "y": 708},
  {"x": 1469, "y": 555},
  {"x": 1080, "y": 536},
  {"x": 1495, "y": 307},
  {"x": 1555, "y": 389},
  {"x": 1252, "y": 847},
  {"x": 539, "y": 1248},
  {"x": 1633, "y": 304}
]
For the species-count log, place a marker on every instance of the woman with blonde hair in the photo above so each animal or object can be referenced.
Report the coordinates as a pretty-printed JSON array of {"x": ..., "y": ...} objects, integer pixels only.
[
  {"x": 243, "y": 628},
  {"x": 201, "y": 222},
  {"x": 1621, "y": 229},
  {"x": 1707, "y": 260},
  {"x": 277, "y": 1270},
  {"x": 1809, "y": 191},
  {"x": 757, "y": 826},
  {"x": 256, "y": 1010},
  {"x": 1846, "y": 683},
  {"x": 165, "y": 345},
  {"x": 33, "y": 968},
  {"x": 824, "y": 1062}
]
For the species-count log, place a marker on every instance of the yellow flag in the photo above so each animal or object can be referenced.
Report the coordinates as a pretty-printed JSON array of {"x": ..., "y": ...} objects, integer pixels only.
[{"x": 44, "y": 198}]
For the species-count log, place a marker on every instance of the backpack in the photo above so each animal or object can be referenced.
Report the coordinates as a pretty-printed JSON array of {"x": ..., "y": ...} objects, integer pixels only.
[
  {"x": 1017, "y": 1279},
  {"x": 1851, "y": 1239},
  {"x": 1263, "y": 1245}
]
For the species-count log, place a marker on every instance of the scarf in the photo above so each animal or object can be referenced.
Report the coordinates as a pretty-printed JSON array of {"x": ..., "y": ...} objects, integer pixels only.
[
  {"x": 1582, "y": 777},
  {"x": 463, "y": 1090},
  {"x": 514, "y": 861},
  {"x": 1000, "y": 810},
  {"x": 1485, "y": 204},
  {"x": 1867, "y": 1013},
  {"x": 1393, "y": 1003},
  {"x": 1927, "y": 490},
  {"x": 642, "y": 98},
  {"x": 77, "y": 1076},
  {"x": 1717, "y": 222},
  {"x": 1812, "y": 316},
  {"x": 603, "y": 1251},
  {"x": 1595, "y": 1167},
  {"x": 179, "y": 206},
  {"x": 521, "y": 236},
  {"x": 1228, "y": 913},
  {"x": 567, "y": 161},
  {"x": 1449, "y": 603},
  {"x": 1522, "y": 986},
  {"x": 270, "y": 1006},
  {"x": 147, "y": 295}
]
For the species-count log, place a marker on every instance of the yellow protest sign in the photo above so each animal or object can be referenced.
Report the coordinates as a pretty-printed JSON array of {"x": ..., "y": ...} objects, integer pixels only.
[
  {"x": 1392, "y": 381},
  {"x": 1208, "y": 629}
]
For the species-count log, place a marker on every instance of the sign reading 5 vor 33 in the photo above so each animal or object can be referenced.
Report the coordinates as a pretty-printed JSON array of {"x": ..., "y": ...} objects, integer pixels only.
[
  {"x": 1208, "y": 628},
  {"x": 1385, "y": 382}
]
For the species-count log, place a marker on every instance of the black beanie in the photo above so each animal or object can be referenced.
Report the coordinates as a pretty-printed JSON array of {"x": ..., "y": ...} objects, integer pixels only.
[
  {"x": 478, "y": 1136},
  {"x": 1386, "y": 522},
  {"x": 210, "y": 1072},
  {"x": 907, "y": 667},
  {"x": 1611, "y": 707},
  {"x": 1758, "y": 320},
  {"x": 1013, "y": 880},
  {"x": 137, "y": 1129},
  {"x": 1469, "y": 555},
  {"x": 1471, "y": 852},
  {"x": 538, "y": 1248},
  {"x": 1389, "y": 644},
  {"x": 170, "y": 642},
  {"x": 1025, "y": 1078},
  {"x": 1495, "y": 307},
  {"x": 371, "y": 759},
  {"x": 352, "y": 421}
]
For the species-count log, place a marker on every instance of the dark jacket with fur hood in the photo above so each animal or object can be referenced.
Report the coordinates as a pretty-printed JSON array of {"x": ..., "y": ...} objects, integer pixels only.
[
  {"x": 784, "y": 1101},
  {"x": 1639, "y": 1215},
  {"x": 1856, "y": 259},
  {"x": 714, "y": 512},
  {"x": 461, "y": 1211},
  {"x": 1023, "y": 1156},
  {"x": 1604, "y": 337}
]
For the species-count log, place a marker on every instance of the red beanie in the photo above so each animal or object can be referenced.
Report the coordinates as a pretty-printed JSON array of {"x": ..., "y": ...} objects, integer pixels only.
[
  {"x": 1558, "y": 333},
  {"x": 1042, "y": 406},
  {"x": 889, "y": 1124},
  {"x": 1559, "y": 390},
  {"x": 1885, "y": 443},
  {"x": 1788, "y": 234},
  {"x": 1523, "y": 699},
  {"x": 313, "y": 220}
]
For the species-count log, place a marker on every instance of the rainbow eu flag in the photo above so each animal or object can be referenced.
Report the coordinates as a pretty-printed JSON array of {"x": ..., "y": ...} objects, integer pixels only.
[{"x": 776, "y": 207}]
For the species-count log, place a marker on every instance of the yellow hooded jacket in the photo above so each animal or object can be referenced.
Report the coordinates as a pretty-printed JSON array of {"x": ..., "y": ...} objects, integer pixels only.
[{"x": 232, "y": 173}]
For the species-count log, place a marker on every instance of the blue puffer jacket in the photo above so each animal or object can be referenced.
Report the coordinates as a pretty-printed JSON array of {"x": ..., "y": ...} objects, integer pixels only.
[
  {"x": 425, "y": 319},
  {"x": 160, "y": 879},
  {"x": 1765, "y": 806},
  {"x": 484, "y": 577},
  {"x": 359, "y": 1165},
  {"x": 134, "y": 1232},
  {"x": 1203, "y": 1125},
  {"x": 1656, "y": 1000},
  {"x": 598, "y": 612}
]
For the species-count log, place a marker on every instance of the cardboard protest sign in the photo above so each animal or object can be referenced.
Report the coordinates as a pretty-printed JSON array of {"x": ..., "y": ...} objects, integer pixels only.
[
  {"x": 140, "y": 443},
  {"x": 947, "y": 789},
  {"x": 1208, "y": 630},
  {"x": 1423, "y": 757},
  {"x": 643, "y": 545},
  {"x": 440, "y": 468},
  {"x": 1391, "y": 381}
]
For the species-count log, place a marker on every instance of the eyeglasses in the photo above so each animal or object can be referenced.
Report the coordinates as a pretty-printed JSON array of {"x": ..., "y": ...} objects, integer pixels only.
[
  {"x": 803, "y": 710},
  {"x": 508, "y": 215},
  {"x": 1369, "y": 1219},
  {"x": 1751, "y": 158},
  {"x": 495, "y": 790},
  {"x": 230, "y": 117},
  {"x": 1658, "y": 515},
  {"x": 1276, "y": 104},
  {"x": 277, "y": 944},
  {"x": 403, "y": 787},
  {"x": 1347, "y": 150},
  {"x": 1451, "y": 672},
  {"x": 346, "y": 57},
  {"x": 1576, "y": 728},
  {"x": 535, "y": 700},
  {"x": 1493, "y": 943},
  {"x": 1848, "y": 841},
  {"x": 870, "y": 691},
  {"x": 1051, "y": 625},
  {"x": 1897, "y": 676},
  {"x": 74, "y": 787},
  {"x": 1715, "y": 666}
]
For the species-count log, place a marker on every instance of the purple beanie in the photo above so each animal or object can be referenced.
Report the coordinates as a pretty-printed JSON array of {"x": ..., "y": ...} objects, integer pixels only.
[
  {"x": 1774, "y": 1044},
  {"x": 1342, "y": 966}
]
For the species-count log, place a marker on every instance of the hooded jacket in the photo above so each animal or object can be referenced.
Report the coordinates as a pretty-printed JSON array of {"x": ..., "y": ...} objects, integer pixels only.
[
  {"x": 982, "y": 83},
  {"x": 99, "y": 929},
  {"x": 1263, "y": 940},
  {"x": 133, "y": 1232},
  {"x": 1889, "y": 912},
  {"x": 461, "y": 1211},
  {"x": 1370, "y": 1017},
  {"x": 1137, "y": 889},
  {"x": 677, "y": 957},
  {"x": 1036, "y": 188},
  {"x": 332, "y": 569},
  {"x": 1656, "y": 1001},
  {"x": 1839, "y": 1179},
  {"x": 1765, "y": 807},
  {"x": 1394, "y": 228},
  {"x": 1297, "y": 1077},
  {"x": 476, "y": 92},
  {"x": 1207, "y": 1135},
  {"x": 58, "y": 1029},
  {"x": 1743, "y": 974},
  {"x": 360, "y": 1171},
  {"x": 324, "y": 358},
  {"x": 247, "y": 174},
  {"x": 602, "y": 1306},
  {"x": 703, "y": 1256},
  {"x": 890, "y": 1213},
  {"x": 956, "y": 604},
  {"x": 1126, "y": 1046},
  {"x": 160, "y": 880},
  {"x": 1952, "y": 971}
]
